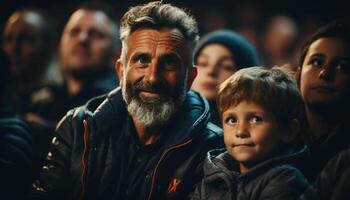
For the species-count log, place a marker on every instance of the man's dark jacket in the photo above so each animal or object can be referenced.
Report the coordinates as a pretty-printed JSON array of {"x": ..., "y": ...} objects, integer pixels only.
[
  {"x": 275, "y": 178},
  {"x": 86, "y": 156}
]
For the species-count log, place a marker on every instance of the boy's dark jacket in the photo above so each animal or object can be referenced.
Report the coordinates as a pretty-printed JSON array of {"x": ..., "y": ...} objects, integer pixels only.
[
  {"x": 275, "y": 178},
  {"x": 85, "y": 160}
]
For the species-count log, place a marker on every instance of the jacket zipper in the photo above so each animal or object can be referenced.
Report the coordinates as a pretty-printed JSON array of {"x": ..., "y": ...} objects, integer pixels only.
[
  {"x": 84, "y": 158},
  {"x": 160, "y": 160}
]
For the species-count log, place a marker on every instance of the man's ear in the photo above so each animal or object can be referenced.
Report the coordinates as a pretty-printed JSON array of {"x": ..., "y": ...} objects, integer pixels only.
[
  {"x": 120, "y": 71},
  {"x": 192, "y": 73},
  {"x": 291, "y": 131}
]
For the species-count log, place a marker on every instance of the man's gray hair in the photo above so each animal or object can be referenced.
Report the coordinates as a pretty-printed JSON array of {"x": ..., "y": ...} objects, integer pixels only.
[{"x": 157, "y": 15}]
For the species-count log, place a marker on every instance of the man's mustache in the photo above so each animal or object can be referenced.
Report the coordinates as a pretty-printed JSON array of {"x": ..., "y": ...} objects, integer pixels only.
[{"x": 160, "y": 88}]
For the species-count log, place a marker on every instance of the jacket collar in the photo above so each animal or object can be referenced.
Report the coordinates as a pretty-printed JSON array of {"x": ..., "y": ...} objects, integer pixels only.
[
  {"x": 218, "y": 161},
  {"x": 111, "y": 114}
]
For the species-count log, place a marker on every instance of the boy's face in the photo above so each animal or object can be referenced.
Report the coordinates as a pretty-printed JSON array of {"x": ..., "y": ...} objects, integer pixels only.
[{"x": 251, "y": 134}]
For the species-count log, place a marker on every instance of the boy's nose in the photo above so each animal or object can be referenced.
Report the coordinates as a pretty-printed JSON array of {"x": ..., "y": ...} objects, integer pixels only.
[{"x": 242, "y": 131}]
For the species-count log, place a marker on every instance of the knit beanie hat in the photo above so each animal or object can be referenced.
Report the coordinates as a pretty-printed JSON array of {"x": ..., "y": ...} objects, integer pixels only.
[{"x": 244, "y": 53}]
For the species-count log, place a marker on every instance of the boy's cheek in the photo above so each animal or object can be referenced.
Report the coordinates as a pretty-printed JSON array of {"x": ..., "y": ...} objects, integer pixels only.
[{"x": 228, "y": 140}]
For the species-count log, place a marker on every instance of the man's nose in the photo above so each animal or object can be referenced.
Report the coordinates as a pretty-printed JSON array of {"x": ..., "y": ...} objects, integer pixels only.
[{"x": 152, "y": 76}]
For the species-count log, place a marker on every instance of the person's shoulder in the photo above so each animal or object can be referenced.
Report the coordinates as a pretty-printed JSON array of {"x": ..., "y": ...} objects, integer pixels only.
[
  {"x": 213, "y": 131},
  {"x": 15, "y": 139},
  {"x": 343, "y": 157},
  {"x": 211, "y": 137},
  {"x": 15, "y": 127},
  {"x": 211, "y": 134},
  {"x": 47, "y": 94}
]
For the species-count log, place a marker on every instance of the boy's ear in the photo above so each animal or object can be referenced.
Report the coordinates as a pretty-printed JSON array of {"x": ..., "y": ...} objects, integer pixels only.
[{"x": 291, "y": 132}]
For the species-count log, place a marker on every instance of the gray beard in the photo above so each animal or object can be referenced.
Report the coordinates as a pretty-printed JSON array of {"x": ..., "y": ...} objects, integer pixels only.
[
  {"x": 154, "y": 112},
  {"x": 151, "y": 115}
]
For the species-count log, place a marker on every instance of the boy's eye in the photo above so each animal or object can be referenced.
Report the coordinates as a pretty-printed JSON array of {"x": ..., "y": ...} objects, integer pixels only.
[
  {"x": 230, "y": 120},
  {"x": 256, "y": 119}
]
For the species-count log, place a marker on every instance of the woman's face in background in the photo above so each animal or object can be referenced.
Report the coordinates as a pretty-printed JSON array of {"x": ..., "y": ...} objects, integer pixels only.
[{"x": 215, "y": 63}]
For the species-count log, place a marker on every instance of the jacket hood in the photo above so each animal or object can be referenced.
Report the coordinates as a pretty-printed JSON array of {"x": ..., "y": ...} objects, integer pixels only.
[
  {"x": 219, "y": 161},
  {"x": 112, "y": 113}
]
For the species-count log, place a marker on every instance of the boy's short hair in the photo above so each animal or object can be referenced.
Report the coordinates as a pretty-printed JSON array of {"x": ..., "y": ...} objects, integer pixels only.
[{"x": 271, "y": 88}]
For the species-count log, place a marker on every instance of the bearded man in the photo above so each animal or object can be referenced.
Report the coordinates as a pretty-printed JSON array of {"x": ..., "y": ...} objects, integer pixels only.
[{"x": 146, "y": 139}]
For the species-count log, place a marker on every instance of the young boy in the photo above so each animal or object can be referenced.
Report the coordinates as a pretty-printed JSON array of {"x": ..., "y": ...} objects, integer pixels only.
[{"x": 261, "y": 111}]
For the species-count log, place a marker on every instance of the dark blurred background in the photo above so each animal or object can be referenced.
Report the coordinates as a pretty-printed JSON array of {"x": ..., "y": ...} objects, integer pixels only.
[
  {"x": 210, "y": 14},
  {"x": 254, "y": 19}
]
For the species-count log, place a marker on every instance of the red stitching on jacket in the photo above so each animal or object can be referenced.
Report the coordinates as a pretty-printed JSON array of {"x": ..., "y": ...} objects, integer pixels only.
[
  {"x": 159, "y": 161},
  {"x": 84, "y": 157},
  {"x": 174, "y": 183}
]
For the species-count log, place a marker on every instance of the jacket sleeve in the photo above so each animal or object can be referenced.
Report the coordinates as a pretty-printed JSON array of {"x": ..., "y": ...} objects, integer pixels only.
[
  {"x": 285, "y": 183},
  {"x": 55, "y": 179},
  {"x": 16, "y": 158},
  {"x": 332, "y": 179}
]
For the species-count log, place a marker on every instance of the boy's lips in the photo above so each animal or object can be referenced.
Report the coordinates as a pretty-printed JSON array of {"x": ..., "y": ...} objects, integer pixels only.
[{"x": 243, "y": 145}]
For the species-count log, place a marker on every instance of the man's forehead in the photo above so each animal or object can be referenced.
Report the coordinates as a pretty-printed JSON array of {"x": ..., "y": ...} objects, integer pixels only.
[{"x": 172, "y": 38}]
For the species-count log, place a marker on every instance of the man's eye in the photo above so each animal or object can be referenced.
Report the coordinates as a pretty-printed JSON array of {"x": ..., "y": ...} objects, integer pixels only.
[
  {"x": 230, "y": 120},
  {"x": 256, "y": 119},
  {"x": 141, "y": 60},
  {"x": 169, "y": 65}
]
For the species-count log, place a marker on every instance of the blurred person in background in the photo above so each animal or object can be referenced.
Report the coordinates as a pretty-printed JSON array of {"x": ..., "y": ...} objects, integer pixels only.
[
  {"x": 324, "y": 80},
  {"x": 28, "y": 41},
  {"x": 279, "y": 41},
  {"x": 16, "y": 148},
  {"x": 217, "y": 56},
  {"x": 87, "y": 49}
]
